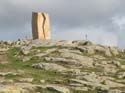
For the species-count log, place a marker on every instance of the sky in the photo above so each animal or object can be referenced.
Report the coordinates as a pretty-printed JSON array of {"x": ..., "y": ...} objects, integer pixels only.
[{"x": 102, "y": 20}]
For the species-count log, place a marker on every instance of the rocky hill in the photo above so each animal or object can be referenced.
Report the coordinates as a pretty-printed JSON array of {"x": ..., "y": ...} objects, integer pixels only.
[{"x": 60, "y": 66}]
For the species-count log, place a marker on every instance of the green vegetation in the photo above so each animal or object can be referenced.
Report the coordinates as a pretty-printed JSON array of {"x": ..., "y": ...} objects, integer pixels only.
[
  {"x": 35, "y": 50},
  {"x": 2, "y": 66},
  {"x": 42, "y": 48},
  {"x": 19, "y": 64},
  {"x": 46, "y": 91},
  {"x": 11, "y": 76},
  {"x": 122, "y": 62},
  {"x": 16, "y": 63},
  {"x": 92, "y": 69}
]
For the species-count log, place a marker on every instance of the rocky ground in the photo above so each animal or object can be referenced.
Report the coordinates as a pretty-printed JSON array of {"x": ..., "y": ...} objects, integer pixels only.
[{"x": 59, "y": 66}]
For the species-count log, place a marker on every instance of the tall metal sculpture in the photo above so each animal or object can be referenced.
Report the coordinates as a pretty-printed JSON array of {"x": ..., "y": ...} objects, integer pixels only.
[{"x": 40, "y": 26}]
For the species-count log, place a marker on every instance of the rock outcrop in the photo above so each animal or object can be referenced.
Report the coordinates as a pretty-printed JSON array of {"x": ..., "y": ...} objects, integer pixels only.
[{"x": 60, "y": 66}]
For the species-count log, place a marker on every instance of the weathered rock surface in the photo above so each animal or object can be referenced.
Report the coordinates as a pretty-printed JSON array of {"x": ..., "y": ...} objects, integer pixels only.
[
  {"x": 60, "y": 66},
  {"x": 49, "y": 66},
  {"x": 113, "y": 84},
  {"x": 58, "y": 88},
  {"x": 121, "y": 75}
]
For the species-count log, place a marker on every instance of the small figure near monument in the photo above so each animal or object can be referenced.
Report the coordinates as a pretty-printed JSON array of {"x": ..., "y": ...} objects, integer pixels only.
[{"x": 40, "y": 26}]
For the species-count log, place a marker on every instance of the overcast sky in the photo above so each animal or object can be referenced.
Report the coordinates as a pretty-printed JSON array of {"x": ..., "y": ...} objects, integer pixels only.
[{"x": 102, "y": 20}]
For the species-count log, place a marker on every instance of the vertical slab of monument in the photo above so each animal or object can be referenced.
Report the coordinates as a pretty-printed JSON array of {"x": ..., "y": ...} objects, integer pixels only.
[{"x": 40, "y": 26}]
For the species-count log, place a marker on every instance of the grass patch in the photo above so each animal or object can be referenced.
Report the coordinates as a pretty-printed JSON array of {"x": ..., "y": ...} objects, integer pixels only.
[
  {"x": 2, "y": 66},
  {"x": 35, "y": 50},
  {"x": 47, "y": 75},
  {"x": 43, "y": 48},
  {"x": 92, "y": 69},
  {"x": 122, "y": 62},
  {"x": 11, "y": 76},
  {"x": 47, "y": 91},
  {"x": 29, "y": 72}
]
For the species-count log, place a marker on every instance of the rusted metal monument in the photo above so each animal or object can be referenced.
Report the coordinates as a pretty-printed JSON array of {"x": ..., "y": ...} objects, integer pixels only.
[{"x": 40, "y": 26}]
